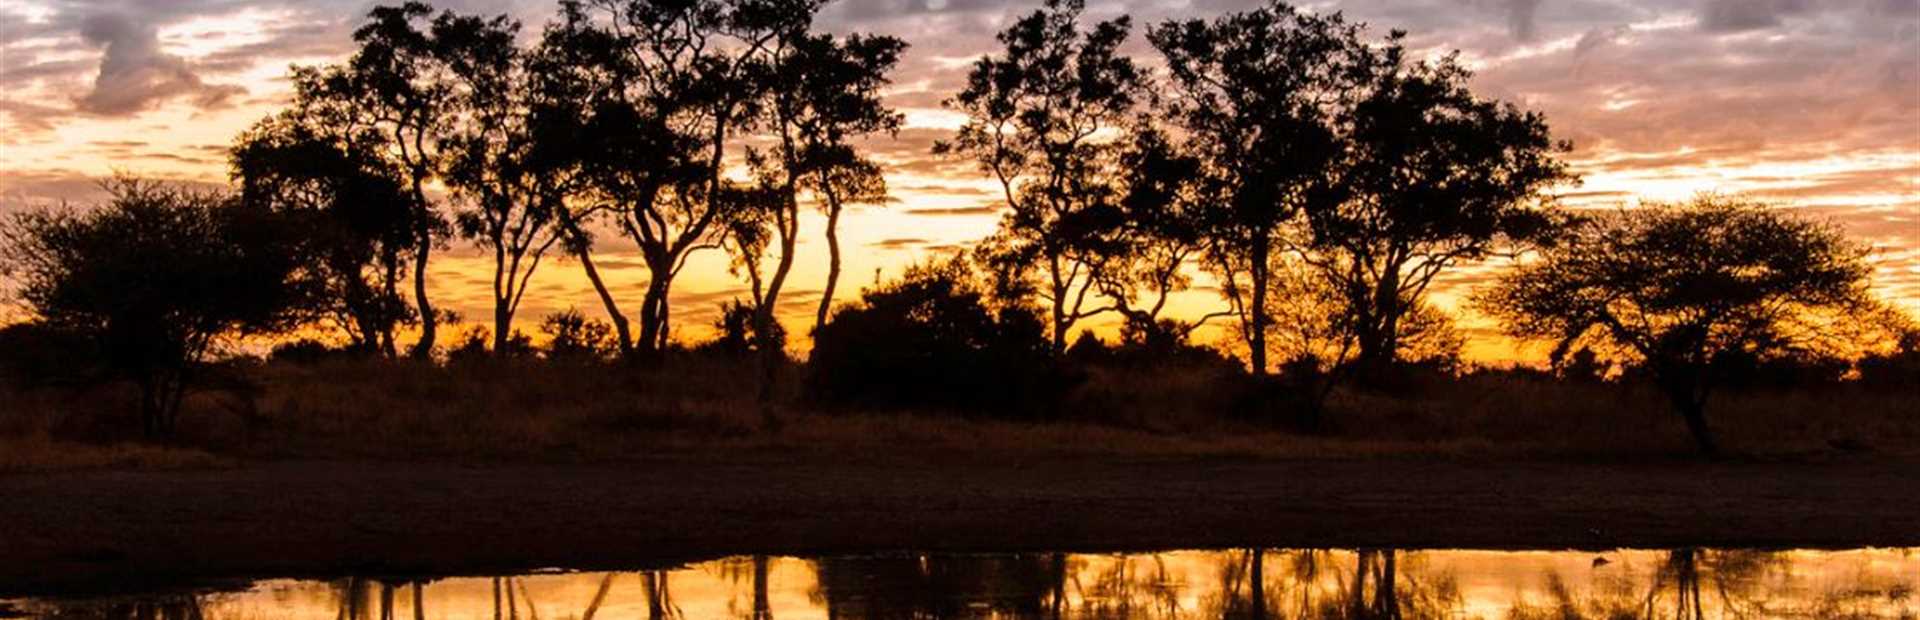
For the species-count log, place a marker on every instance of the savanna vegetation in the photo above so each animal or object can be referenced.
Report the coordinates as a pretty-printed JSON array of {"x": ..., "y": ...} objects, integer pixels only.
[{"x": 1320, "y": 176}]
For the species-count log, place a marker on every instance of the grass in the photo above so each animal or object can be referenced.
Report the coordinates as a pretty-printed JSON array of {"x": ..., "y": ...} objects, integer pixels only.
[
  {"x": 528, "y": 410},
  {"x": 38, "y": 453}
]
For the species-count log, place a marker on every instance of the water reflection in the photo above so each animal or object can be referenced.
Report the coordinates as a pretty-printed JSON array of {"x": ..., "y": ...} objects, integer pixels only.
[{"x": 1365, "y": 584}]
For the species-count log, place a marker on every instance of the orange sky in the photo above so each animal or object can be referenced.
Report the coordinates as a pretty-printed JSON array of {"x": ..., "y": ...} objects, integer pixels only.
[{"x": 1814, "y": 105}]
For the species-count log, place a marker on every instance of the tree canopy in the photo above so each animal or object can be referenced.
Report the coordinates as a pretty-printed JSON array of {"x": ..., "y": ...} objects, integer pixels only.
[{"x": 1686, "y": 288}]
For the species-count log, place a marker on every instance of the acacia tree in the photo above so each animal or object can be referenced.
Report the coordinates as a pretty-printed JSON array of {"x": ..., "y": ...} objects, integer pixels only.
[
  {"x": 1042, "y": 118},
  {"x": 396, "y": 80},
  {"x": 661, "y": 93},
  {"x": 1434, "y": 176},
  {"x": 1684, "y": 289},
  {"x": 821, "y": 91},
  {"x": 825, "y": 93},
  {"x": 157, "y": 278},
  {"x": 1254, "y": 94},
  {"x": 495, "y": 162},
  {"x": 319, "y": 163}
]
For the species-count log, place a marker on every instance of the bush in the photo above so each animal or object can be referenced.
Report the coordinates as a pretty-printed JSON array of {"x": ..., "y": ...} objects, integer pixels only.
[
  {"x": 734, "y": 335},
  {"x": 39, "y": 354},
  {"x": 308, "y": 351},
  {"x": 572, "y": 336},
  {"x": 931, "y": 340}
]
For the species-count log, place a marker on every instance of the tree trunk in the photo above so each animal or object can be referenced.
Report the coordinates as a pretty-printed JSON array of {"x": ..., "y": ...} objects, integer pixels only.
[
  {"x": 762, "y": 605},
  {"x": 429, "y": 324},
  {"x": 390, "y": 282},
  {"x": 1060, "y": 287},
  {"x": 1693, "y": 410},
  {"x": 833, "y": 265},
  {"x": 149, "y": 407},
  {"x": 502, "y": 322},
  {"x": 771, "y": 349},
  {"x": 622, "y": 331},
  {"x": 653, "y": 310},
  {"x": 1256, "y": 583},
  {"x": 1257, "y": 311},
  {"x": 583, "y": 250}
]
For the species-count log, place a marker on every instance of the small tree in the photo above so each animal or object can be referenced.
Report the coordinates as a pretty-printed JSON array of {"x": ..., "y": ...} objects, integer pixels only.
[
  {"x": 157, "y": 277},
  {"x": 1685, "y": 289},
  {"x": 571, "y": 336}
]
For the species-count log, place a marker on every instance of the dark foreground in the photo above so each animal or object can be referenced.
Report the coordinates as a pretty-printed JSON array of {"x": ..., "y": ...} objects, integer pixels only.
[{"x": 82, "y": 530}]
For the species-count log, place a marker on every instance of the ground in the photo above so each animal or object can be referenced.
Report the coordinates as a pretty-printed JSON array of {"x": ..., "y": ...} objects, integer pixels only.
[{"x": 79, "y": 529}]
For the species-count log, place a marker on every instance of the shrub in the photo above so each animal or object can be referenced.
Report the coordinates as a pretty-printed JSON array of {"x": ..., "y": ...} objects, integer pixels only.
[{"x": 931, "y": 340}]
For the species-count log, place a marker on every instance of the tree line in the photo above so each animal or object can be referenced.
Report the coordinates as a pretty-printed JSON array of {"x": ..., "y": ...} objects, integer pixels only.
[{"x": 1322, "y": 176}]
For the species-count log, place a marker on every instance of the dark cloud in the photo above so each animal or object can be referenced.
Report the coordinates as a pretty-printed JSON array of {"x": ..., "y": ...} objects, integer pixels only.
[
  {"x": 898, "y": 244},
  {"x": 1740, "y": 15},
  {"x": 939, "y": 211},
  {"x": 135, "y": 75},
  {"x": 1520, "y": 18}
]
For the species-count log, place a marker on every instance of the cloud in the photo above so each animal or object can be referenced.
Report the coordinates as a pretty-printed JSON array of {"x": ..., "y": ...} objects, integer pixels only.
[
  {"x": 135, "y": 75},
  {"x": 1742, "y": 15},
  {"x": 1520, "y": 18},
  {"x": 898, "y": 244},
  {"x": 939, "y": 211}
]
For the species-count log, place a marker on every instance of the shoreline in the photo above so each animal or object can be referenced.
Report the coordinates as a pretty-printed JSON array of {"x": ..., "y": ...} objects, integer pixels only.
[{"x": 110, "y": 529}]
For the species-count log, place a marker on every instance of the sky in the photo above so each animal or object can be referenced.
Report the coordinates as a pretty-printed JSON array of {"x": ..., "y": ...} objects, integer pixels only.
[{"x": 1813, "y": 105}]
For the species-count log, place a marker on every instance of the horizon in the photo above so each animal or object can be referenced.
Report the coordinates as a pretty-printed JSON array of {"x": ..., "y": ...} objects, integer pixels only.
[{"x": 1814, "y": 108}]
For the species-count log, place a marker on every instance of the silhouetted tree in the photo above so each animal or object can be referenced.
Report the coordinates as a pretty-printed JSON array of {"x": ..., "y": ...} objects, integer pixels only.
[
  {"x": 930, "y": 339},
  {"x": 1040, "y": 119},
  {"x": 820, "y": 92},
  {"x": 824, "y": 92},
  {"x": 158, "y": 277},
  {"x": 1434, "y": 176},
  {"x": 660, "y": 91},
  {"x": 323, "y": 163},
  {"x": 1254, "y": 94},
  {"x": 1680, "y": 289},
  {"x": 397, "y": 83},
  {"x": 509, "y": 193}
]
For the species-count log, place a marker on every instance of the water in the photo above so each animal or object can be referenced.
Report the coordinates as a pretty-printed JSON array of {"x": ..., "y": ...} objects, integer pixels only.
[{"x": 1683, "y": 583}]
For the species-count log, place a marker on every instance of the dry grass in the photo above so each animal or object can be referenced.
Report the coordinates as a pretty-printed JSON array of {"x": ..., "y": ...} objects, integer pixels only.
[
  {"x": 38, "y": 453},
  {"x": 529, "y": 410}
]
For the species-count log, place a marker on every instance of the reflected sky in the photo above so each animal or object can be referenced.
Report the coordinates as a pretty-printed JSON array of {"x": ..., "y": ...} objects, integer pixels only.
[{"x": 1378, "y": 583}]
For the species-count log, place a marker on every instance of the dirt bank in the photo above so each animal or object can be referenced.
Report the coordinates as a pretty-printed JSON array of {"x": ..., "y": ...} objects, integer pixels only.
[{"x": 78, "y": 530}]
